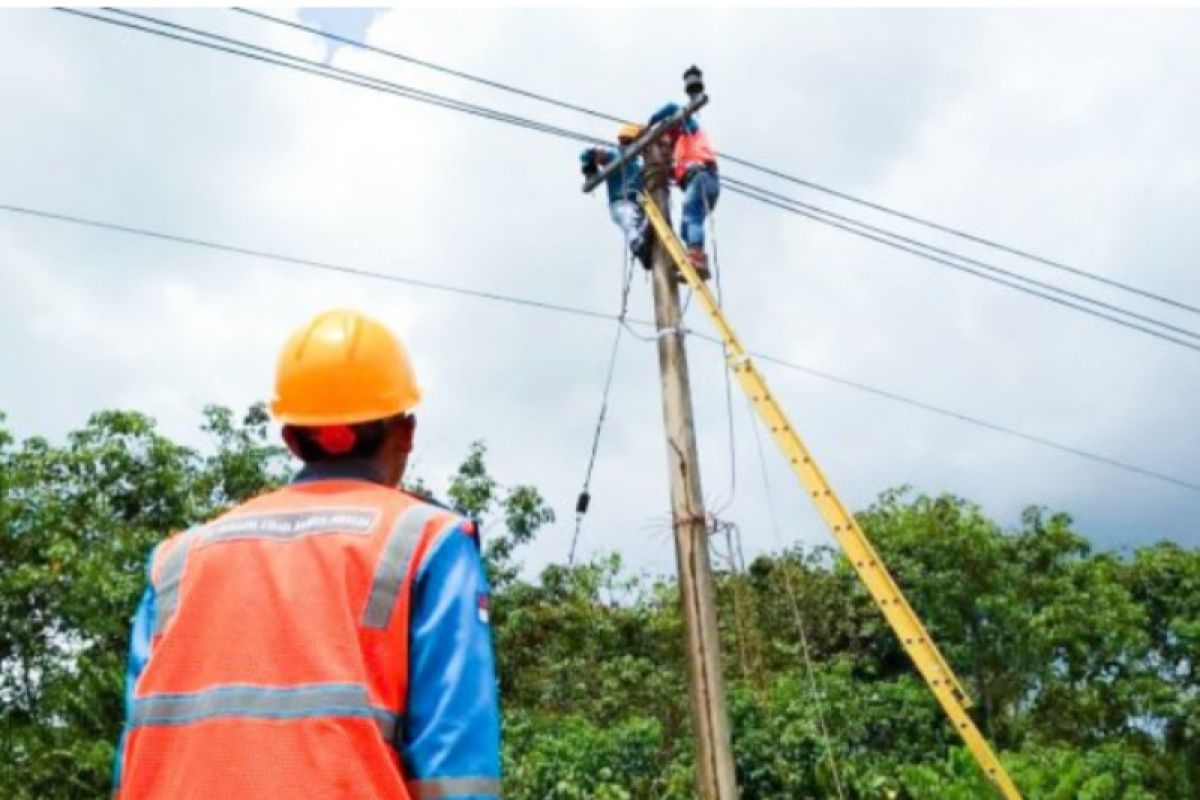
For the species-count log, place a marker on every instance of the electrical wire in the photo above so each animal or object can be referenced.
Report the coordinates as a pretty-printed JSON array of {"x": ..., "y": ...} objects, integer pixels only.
[
  {"x": 320, "y": 265},
  {"x": 544, "y": 305},
  {"x": 361, "y": 45},
  {"x": 585, "y": 496},
  {"x": 759, "y": 193},
  {"x": 964, "y": 268},
  {"x": 961, "y": 234},
  {"x": 976, "y": 421},
  {"x": 237, "y": 47},
  {"x": 733, "y": 159}
]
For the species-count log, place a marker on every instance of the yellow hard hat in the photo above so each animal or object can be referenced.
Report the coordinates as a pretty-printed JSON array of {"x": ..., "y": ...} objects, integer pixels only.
[
  {"x": 629, "y": 131},
  {"x": 342, "y": 368}
]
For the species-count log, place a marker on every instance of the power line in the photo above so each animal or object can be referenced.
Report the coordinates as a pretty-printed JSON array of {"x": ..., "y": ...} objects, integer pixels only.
[
  {"x": 1082, "y": 273},
  {"x": 929, "y": 256},
  {"x": 590, "y": 314},
  {"x": 979, "y": 422},
  {"x": 231, "y": 46},
  {"x": 267, "y": 55},
  {"x": 321, "y": 265},
  {"x": 760, "y": 193},
  {"x": 504, "y": 87},
  {"x": 542, "y": 98},
  {"x": 585, "y": 495}
]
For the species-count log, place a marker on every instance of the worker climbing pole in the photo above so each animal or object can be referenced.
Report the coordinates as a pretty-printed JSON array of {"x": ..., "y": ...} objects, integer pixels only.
[{"x": 672, "y": 264}]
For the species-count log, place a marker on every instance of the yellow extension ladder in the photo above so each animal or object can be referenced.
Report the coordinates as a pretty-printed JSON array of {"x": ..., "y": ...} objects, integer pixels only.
[{"x": 866, "y": 562}]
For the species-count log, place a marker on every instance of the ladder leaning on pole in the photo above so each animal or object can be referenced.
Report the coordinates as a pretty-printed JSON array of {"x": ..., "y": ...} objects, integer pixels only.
[{"x": 866, "y": 562}]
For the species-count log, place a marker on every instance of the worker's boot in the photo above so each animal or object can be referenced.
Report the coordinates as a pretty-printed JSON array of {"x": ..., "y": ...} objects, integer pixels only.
[
  {"x": 641, "y": 250},
  {"x": 699, "y": 262}
]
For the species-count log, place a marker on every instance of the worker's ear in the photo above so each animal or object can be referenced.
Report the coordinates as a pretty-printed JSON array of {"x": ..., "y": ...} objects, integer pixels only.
[
  {"x": 291, "y": 440},
  {"x": 404, "y": 429}
]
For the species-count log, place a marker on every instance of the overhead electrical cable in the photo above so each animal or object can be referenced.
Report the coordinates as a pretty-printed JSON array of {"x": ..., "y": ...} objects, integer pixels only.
[
  {"x": 970, "y": 237},
  {"x": 585, "y": 494},
  {"x": 758, "y": 193},
  {"x": 977, "y": 421},
  {"x": 962, "y": 267},
  {"x": 766, "y": 170},
  {"x": 590, "y": 314},
  {"x": 321, "y": 265},
  {"x": 231, "y": 46},
  {"x": 361, "y": 45}
]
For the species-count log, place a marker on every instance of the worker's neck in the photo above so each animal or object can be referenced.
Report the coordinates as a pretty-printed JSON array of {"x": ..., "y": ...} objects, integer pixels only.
[{"x": 363, "y": 469}]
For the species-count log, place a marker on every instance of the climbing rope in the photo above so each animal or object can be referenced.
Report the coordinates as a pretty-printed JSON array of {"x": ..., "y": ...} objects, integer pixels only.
[
  {"x": 585, "y": 497},
  {"x": 790, "y": 591}
]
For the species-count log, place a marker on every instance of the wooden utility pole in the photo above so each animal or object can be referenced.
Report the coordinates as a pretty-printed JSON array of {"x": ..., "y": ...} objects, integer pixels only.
[{"x": 715, "y": 777}]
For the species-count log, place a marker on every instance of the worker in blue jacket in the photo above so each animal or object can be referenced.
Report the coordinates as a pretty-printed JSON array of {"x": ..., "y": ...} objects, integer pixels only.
[
  {"x": 624, "y": 186},
  {"x": 329, "y": 639}
]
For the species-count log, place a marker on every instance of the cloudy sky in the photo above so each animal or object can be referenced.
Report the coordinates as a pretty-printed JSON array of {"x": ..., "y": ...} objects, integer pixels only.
[{"x": 1072, "y": 134}]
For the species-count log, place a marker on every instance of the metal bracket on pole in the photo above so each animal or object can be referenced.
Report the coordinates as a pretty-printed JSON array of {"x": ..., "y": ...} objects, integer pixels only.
[{"x": 642, "y": 142}]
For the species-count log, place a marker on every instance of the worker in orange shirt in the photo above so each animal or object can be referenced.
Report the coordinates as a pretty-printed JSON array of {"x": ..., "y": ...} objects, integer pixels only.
[
  {"x": 695, "y": 171},
  {"x": 329, "y": 639}
]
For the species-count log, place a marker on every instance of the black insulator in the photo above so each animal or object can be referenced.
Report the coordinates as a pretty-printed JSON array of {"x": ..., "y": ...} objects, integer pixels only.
[
  {"x": 693, "y": 81},
  {"x": 581, "y": 505}
]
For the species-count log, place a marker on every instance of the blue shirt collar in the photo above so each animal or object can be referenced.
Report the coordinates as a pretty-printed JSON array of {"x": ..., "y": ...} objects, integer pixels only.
[{"x": 355, "y": 469}]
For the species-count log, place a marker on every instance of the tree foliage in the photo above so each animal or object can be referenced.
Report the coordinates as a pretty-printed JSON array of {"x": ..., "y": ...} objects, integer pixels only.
[{"x": 1083, "y": 664}]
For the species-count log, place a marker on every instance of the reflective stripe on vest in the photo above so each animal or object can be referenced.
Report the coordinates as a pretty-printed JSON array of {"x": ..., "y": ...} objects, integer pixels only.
[
  {"x": 294, "y": 524},
  {"x": 262, "y": 702},
  {"x": 394, "y": 564},
  {"x": 435, "y": 788},
  {"x": 166, "y": 588}
]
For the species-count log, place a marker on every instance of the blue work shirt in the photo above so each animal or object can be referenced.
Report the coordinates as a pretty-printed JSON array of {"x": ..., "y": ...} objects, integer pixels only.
[
  {"x": 625, "y": 183},
  {"x": 451, "y": 730},
  {"x": 690, "y": 125}
]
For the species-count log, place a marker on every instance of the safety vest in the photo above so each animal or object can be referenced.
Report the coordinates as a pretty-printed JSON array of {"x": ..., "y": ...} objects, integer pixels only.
[
  {"x": 279, "y": 660},
  {"x": 692, "y": 150}
]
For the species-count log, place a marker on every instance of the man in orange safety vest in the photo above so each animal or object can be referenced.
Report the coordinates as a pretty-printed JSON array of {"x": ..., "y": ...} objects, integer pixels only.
[{"x": 329, "y": 639}]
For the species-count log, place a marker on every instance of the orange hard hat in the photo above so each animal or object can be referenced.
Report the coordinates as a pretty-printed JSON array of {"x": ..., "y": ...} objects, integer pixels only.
[
  {"x": 630, "y": 131},
  {"x": 342, "y": 368}
]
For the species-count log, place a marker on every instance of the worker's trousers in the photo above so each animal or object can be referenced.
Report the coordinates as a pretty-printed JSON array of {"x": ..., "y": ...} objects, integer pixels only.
[
  {"x": 630, "y": 217},
  {"x": 699, "y": 198}
]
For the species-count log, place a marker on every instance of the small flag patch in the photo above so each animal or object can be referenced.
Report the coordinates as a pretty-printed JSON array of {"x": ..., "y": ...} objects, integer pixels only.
[{"x": 482, "y": 606}]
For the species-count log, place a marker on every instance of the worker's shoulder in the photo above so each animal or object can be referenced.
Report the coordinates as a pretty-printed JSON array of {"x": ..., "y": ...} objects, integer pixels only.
[
  {"x": 450, "y": 517},
  {"x": 452, "y": 537}
]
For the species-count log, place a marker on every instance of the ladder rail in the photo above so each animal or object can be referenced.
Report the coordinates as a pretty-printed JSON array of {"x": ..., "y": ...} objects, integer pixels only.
[{"x": 862, "y": 555}]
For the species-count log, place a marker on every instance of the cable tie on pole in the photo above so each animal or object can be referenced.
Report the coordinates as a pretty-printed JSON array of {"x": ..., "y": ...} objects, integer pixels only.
[{"x": 674, "y": 329}]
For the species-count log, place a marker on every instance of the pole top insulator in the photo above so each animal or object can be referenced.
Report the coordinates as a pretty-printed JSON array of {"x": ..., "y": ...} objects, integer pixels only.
[{"x": 693, "y": 81}]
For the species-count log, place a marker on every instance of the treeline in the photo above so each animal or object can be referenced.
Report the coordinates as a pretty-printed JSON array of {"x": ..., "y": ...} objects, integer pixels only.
[{"x": 1082, "y": 664}]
